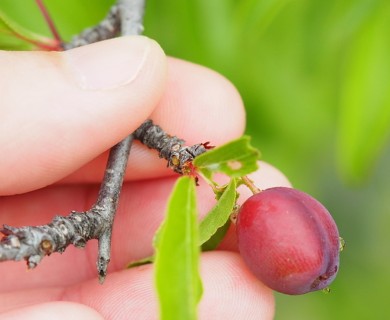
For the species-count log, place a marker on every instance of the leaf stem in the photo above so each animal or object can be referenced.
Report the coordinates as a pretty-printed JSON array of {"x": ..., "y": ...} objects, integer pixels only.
[{"x": 49, "y": 20}]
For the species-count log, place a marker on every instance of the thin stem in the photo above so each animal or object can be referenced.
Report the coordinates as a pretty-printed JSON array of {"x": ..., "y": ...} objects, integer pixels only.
[
  {"x": 51, "y": 45},
  {"x": 249, "y": 183},
  {"x": 49, "y": 20}
]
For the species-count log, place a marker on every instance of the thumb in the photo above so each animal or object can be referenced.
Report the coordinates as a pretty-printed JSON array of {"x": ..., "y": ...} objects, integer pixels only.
[{"x": 61, "y": 109}]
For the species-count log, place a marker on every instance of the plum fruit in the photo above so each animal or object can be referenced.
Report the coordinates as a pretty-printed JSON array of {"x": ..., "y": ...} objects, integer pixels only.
[{"x": 288, "y": 240}]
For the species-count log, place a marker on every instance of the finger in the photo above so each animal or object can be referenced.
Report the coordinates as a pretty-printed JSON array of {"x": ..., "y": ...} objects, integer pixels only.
[
  {"x": 230, "y": 292},
  {"x": 60, "y": 110},
  {"x": 141, "y": 210},
  {"x": 198, "y": 105},
  {"x": 53, "y": 310}
]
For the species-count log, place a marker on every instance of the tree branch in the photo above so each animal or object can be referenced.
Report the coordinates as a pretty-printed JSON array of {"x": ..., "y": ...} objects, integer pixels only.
[
  {"x": 126, "y": 17},
  {"x": 108, "y": 28},
  {"x": 131, "y": 16},
  {"x": 34, "y": 243}
]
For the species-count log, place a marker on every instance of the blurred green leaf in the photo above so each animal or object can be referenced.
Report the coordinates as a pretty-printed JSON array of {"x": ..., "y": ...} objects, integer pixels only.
[
  {"x": 365, "y": 98},
  {"x": 15, "y": 37},
  {"x": 177, "y": 255},
  {"x": 235, "y": 159},
  {"x": 218, "y": 215},
  {"x": 253, "y": 16},
  {"x": 70, "y": 17}
]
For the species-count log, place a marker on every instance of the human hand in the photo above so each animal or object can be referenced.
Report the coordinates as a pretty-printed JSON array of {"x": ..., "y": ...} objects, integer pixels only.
[{"x": 60, "y": 113}]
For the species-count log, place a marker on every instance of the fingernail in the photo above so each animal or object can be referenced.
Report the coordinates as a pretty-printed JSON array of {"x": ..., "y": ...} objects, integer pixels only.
[{"x": 107, "y": 64}]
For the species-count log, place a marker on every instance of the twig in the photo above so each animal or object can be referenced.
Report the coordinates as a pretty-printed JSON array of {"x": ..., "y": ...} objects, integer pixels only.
[
  {"x": 131, "y": 16},
  {"x": 108, "y": 28},
  {"x": 107, "y": 201},
  {"x": 33, "y": 243},
  {"x": 171, "y": 148},
  {"x": 126, "y": 17}
]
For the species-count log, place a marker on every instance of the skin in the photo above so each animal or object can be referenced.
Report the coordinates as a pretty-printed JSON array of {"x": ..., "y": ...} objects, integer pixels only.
[{"x": 55, "y": 134}]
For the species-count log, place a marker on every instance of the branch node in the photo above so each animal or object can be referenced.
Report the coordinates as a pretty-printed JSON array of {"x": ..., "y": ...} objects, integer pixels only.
[{"x": 170, "y": 148}]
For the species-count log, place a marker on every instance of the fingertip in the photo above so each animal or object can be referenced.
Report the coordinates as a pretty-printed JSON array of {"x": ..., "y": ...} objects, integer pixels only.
[
  {"x": 114, "y": 63},
  {"x": 200, "y": 105}
]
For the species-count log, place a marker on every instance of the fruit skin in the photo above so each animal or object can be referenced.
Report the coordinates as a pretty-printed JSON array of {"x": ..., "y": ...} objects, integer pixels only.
[{"x": 288, "y": 240}]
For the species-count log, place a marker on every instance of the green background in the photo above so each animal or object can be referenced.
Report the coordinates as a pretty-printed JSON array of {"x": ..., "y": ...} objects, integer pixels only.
[{"x": 315, "y": 79}]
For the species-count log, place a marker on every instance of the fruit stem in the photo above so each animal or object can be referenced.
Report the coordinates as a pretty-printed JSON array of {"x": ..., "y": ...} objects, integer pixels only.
[{"x": 249, "y": 183}]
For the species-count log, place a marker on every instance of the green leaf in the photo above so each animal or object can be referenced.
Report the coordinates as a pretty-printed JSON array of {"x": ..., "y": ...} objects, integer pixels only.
[
  {"x": 177, "y": 277},
  {"x": 235, "y": 159},
  {"x": 218, "y": 216},
  {"x": 15, "y": 37},
  {"x": 216, "y": 238}
]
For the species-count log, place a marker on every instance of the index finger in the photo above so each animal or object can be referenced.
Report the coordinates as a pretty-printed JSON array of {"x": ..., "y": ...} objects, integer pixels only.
[{"x": 198, "y": 105}]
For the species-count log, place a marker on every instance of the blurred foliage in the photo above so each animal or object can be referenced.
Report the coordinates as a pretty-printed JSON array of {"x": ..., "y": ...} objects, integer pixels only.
[
  {"x": 13, "y": 36},
  {"x": 315, "y": 77}
]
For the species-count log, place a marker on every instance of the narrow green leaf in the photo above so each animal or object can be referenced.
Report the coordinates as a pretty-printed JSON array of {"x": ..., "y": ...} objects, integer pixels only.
[
  {"x": 235, "y": 159},
  {"x": 177, "y": 277},
  {"x": 218, "y": 215},
  {"x": 15, "y": 37},
  {"x": 140, "y": 262}
]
